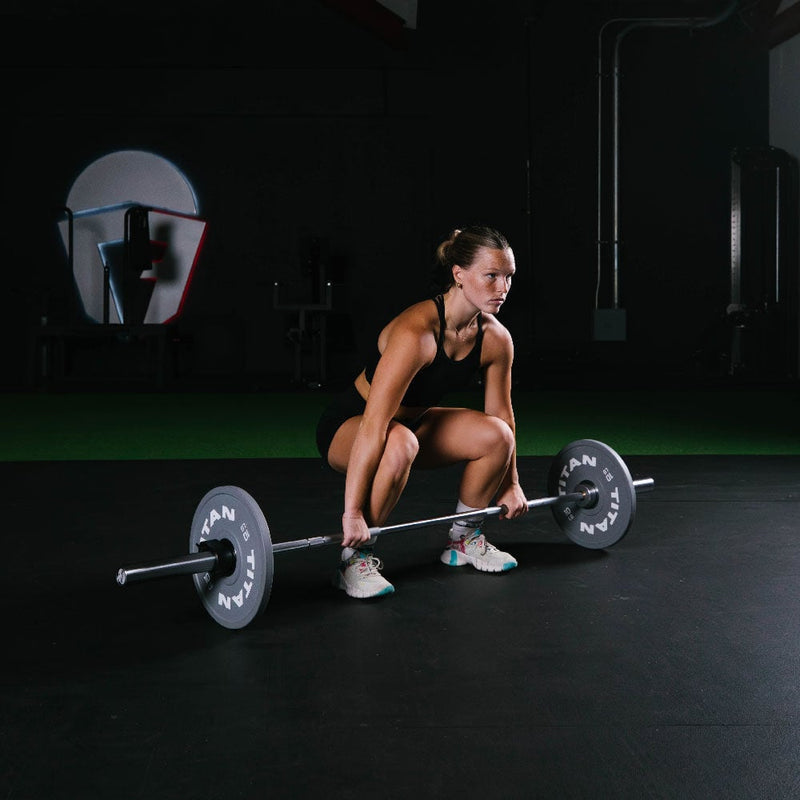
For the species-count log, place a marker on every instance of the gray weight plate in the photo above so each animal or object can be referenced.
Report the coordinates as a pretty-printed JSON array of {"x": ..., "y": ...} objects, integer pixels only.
[
  {"x": 590, "y": 461},
  {"x": 229, "y": 512}
]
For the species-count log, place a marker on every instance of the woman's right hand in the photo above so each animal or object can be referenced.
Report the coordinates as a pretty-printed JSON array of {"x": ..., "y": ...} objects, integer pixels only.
[{"x": 354, "y": 529}]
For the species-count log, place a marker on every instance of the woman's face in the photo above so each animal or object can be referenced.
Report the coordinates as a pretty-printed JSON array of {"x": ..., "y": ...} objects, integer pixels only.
[{"x": 487, "y": 281}]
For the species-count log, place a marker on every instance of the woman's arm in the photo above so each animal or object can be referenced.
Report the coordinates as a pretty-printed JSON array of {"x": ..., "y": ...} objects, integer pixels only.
[
  {"x": 409, "y": 346},
  {"x": 498, "y": 360}
]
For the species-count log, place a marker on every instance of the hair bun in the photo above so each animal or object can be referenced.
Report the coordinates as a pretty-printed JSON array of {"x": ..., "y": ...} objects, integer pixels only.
[{"x": 448, "y": 243}]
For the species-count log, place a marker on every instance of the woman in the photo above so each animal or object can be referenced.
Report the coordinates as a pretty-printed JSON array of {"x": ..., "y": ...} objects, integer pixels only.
[{"x": 390, "y": 419}]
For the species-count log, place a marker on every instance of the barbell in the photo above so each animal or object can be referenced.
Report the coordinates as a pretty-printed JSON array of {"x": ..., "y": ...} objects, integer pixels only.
[{"x": 591, "y": 494}]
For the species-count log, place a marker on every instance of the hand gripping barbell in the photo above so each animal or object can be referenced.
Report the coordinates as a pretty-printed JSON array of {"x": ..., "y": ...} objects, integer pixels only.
[{"x": 593, "y": 500}]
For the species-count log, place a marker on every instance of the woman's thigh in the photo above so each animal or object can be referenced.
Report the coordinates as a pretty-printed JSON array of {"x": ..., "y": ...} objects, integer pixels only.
[
  {"x": 342, "y": 444},
  {"x": 449, "y": 435},
  {"x": 446, "y": 436},
  {"x": 401, "y": 445}
]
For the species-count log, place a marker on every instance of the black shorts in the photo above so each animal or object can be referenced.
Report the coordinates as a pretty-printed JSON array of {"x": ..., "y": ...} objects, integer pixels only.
[{"x": 346, "y": 405}]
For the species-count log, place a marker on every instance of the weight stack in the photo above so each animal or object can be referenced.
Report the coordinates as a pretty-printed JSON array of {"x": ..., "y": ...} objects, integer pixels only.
[{"x": 764, "y": 287}]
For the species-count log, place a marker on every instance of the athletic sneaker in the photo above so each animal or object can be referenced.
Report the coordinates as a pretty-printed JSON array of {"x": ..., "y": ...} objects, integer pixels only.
[
  {"x": 359, "y": 576},
  {"x": 474, "y": 549}
]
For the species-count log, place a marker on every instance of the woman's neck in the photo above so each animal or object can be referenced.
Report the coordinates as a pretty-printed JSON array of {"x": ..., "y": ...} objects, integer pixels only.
[{"x": 460, "y": 316}]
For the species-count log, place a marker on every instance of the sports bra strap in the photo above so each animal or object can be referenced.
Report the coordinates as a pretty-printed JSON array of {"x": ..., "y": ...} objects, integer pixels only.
[{"x": 439, "y": 300}]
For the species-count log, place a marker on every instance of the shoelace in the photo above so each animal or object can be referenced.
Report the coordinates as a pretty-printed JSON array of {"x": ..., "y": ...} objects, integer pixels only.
[
  {"x": 469, "y": 534},
  {"x": 480, "y": 542},
  {"x": 369, "y": 565}
]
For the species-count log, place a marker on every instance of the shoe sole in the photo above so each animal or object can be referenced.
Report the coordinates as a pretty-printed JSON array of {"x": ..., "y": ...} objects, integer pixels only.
[
  {"x": 455, "y": 558},
  {"x": 340, "y": 583}
]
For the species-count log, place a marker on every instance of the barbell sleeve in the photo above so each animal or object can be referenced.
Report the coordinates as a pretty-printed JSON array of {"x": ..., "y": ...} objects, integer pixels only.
[
  {"x": 214, "y": 555},
  {"x": 190, "y": 564}
]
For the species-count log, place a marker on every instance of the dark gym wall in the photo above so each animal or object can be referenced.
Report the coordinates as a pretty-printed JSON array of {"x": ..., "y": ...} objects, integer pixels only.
[
  {"x": 299, "y": 122},
  {"x": 687, "y": 98}
]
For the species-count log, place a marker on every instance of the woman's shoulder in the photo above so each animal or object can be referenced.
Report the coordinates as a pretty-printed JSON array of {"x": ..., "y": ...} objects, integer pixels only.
[
  {"x": 493, "y": 327},
  {"x": 496, "y": 337},
  {"x": 420, "y": 317},
  {"x": 414, "y": 325}
]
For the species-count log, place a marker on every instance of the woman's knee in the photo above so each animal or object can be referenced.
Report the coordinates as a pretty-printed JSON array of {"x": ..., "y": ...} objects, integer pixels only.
[
  {"x": 401, "y": 449},
  {"x": 499, "y": 438}
]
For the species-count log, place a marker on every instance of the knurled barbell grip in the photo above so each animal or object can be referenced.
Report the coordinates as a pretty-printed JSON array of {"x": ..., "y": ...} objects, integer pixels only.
[
  {"x": 583, "y": 496},
  {"x": 490, "y": 511}
]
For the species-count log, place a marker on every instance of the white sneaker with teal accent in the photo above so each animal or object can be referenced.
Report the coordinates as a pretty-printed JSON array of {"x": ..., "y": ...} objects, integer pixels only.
[
  {"x": 474, "y": 549},
  {"x": 359, "y": 576}
]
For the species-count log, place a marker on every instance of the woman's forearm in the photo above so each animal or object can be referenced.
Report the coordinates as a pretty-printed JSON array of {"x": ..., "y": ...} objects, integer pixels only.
[{"x": 365, "y": 457}]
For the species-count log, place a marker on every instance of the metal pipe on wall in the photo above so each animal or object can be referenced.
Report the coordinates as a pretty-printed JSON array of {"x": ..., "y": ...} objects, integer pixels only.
[{"x": 633, "y": 24}]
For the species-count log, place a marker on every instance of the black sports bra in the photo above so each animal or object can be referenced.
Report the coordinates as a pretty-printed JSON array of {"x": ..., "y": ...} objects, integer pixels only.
[{"x": 443, "y": 374}]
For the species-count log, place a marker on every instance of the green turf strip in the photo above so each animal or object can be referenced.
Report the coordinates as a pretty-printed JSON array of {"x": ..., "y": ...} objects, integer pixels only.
[{"x": 111, "y": 426}]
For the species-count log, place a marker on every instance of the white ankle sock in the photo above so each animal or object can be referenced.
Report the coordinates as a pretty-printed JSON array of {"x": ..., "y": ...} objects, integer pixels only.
[
  {"x": 465, "y": 527},
  {"x": 349, "y": 552}
]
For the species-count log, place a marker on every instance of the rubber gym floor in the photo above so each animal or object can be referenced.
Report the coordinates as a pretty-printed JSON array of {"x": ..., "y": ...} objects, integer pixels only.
[{"x": 664, "y": 667}]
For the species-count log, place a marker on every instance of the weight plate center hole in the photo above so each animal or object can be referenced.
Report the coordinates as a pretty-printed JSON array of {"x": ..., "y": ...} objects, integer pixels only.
[
  {"x": 225, "y": 551},
  {"x": 591, "y": 494}
]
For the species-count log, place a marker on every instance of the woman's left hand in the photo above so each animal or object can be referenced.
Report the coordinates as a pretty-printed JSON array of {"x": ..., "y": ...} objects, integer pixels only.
[{"x": 513, "y": 498}]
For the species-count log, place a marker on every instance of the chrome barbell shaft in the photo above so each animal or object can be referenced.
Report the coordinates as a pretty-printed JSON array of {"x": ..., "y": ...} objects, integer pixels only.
[
  {"x": 195, "y": 563},
  {"x": 490, "y": 511}
]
